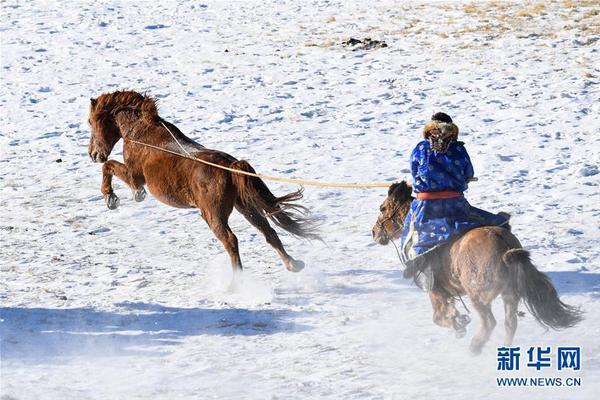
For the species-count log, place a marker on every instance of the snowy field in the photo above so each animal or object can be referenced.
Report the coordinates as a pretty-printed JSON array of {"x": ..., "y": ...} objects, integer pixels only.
[{"x": 134, "y": 303}]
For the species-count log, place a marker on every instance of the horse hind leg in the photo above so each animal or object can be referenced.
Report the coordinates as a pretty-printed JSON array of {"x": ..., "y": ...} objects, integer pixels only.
[
  {"x": 488, "y": 323},
  {"x": 220, "y": 227},
  {"x": 262, "y": 224},
  {"x": 511, "y": 302}
]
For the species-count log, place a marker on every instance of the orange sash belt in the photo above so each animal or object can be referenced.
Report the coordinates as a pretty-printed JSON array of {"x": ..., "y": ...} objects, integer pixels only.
[{"x": 438, "y": 195}]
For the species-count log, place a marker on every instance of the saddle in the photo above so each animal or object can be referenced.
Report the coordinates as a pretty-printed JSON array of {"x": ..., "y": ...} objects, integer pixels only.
[{"x": 423, "y": 269}]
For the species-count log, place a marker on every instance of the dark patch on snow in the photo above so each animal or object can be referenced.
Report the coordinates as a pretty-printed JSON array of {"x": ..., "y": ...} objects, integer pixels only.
[
  {"x": 99, "y": 230},
  {"x": 364, "y": 44},
  {"x": 226, "y": 119},
  {"x": 156, "y": 26},
  {"x": 49, "y": 135},
  {"x": 588, "y": 170}
]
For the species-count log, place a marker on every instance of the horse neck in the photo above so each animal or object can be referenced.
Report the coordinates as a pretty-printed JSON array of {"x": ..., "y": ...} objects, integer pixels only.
[
  {"x": 127, "y": 120},
  {"x": 174, "y": 131},
  {"x": 404, "y": 208}
]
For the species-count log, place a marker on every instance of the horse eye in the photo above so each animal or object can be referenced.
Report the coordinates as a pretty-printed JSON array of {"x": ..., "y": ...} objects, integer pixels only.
[{"x": 382, "y": 208}]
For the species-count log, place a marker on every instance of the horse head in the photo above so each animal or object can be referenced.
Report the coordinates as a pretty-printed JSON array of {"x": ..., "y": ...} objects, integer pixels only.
[
  {"x": 104, "y": 122},
  {"x": 393, "y": 210}
]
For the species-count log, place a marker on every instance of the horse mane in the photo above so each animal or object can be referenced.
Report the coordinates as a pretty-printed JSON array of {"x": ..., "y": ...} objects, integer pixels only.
[
  {"x": 111, "y": 103},
  {"x": 401, "y": 190}
]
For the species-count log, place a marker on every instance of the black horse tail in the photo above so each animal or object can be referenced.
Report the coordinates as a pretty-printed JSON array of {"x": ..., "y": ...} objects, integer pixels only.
[
  {"x": 253, "y": 194},
  {"x": 538, "y": 293}
]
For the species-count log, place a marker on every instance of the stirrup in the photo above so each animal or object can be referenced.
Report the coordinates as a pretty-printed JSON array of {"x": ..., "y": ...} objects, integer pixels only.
[{"x": 424, "y": 279}]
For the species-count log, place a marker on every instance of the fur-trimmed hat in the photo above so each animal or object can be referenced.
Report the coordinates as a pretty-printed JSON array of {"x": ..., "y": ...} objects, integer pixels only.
[
  {"x": 440, "y": 132},
  {"x": 441, "y": 122}
]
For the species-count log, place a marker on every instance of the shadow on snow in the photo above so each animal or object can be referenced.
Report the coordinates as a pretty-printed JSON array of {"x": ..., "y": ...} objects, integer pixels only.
[
  {"x": 575, "y": 282},
  {"x": 44, "y": 334}
]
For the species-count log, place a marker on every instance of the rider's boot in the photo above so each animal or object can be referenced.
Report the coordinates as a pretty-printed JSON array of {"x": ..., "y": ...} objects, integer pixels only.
[
  {"x": 421, "y": 272},
  {"x": 424, "y": 279}
]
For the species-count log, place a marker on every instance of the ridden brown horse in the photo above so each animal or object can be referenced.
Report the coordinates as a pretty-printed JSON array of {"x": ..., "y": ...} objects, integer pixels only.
[
  {"x": 483, "y": 263},
  {"x": 184, "y": 183}
]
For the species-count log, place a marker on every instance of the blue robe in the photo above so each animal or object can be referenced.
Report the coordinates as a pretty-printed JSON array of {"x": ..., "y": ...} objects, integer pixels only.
[{"x": 430, "y": 223}]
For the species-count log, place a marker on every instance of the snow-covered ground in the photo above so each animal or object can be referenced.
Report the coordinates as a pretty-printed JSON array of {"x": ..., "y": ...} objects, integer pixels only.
[{"x": 134, "y": 303}]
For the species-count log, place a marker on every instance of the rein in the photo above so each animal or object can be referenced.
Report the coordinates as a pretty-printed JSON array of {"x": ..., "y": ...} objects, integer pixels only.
[
  {"x": 188, "y": 156},
  {"x": 394, "y": 218}
]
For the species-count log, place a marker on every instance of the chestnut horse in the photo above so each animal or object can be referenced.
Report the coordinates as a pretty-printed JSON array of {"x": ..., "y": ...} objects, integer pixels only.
[
  {"x": 184, "y": 183},
  {"x": 483, "y": 263}
]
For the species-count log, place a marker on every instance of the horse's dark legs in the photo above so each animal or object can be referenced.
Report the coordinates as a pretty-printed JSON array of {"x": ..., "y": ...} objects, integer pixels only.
[
  {"x": 220, "y": 227},
  {"x": 445, "y": 313},
  {"x": 511, "y": 303},
  {"x": 488, "y": 323},
  {"x": 114, "y": 168},
  {"x": 262, "y": 224}
]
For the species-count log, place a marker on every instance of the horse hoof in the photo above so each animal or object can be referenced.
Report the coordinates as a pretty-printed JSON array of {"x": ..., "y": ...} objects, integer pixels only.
[
  {"x": 295, "y": 266},
  {"x": 463, "y": 320},
  {"x": 460, "y": 323},
  {"x": 112, "y": 201},
  {"x": 139, "y": 195},
  {"x": 475, "y": 349}
]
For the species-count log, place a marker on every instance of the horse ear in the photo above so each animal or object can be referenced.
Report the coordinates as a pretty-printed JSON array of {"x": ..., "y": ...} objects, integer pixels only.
[
  {"x": 401, "y": 187},
  {"x": 407, "y": 188},
  {"x": 393, "y": 188},
  {"x": 93, "y": 102}
]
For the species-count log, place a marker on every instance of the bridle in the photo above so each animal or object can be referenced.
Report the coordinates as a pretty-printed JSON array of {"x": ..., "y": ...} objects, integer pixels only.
[{"x": 394, "y": 218}]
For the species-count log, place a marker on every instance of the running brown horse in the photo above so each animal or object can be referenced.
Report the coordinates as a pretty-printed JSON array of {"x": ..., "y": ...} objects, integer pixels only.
[
  {"x": 483, "y": 264},
  {"x": 184, "y": 183}
]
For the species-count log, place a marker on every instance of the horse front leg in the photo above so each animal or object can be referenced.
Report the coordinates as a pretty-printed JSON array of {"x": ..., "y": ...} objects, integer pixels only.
[
  {"x": 445, "y": 313},
  {"x": 114, "y": 168}
]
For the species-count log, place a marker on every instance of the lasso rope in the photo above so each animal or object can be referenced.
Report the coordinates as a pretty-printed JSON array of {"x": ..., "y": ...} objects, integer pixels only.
[{"x": 188, "y": 156}]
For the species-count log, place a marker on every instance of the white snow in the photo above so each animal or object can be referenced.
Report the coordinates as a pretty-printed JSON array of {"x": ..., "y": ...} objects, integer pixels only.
[{"x": 137, "y": 303}]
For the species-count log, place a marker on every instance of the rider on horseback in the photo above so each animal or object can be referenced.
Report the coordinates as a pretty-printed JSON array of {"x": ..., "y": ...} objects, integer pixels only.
[{"x": 441, "y": 170}]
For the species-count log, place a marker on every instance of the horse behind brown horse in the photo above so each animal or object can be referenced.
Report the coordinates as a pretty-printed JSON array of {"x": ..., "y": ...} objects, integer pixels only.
[
  {"x": 184, "y": 183},
  {"x": 482, "y": 264}
]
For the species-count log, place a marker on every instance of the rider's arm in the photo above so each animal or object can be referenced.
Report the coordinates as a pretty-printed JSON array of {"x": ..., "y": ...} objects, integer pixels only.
[
  {"x": 415, "y": 161},
  {"x": 468, "y": 172}
]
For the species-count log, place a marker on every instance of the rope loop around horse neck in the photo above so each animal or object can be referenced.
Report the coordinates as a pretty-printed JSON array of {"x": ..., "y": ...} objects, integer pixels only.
[{"x": 188, "y": 156}]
